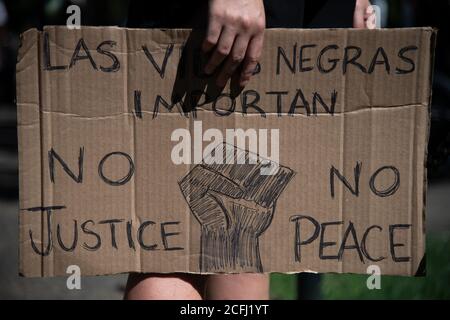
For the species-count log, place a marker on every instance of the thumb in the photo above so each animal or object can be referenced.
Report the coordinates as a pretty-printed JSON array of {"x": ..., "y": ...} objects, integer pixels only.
[{"x": 225, "y": 204}]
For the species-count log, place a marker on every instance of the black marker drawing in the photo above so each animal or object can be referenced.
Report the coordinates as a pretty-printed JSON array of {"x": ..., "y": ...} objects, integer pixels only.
[{"x": 234, "y": 204}]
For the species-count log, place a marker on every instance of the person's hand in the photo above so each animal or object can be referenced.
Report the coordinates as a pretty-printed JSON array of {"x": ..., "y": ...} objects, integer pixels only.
[
  {"x": 362, "y": 14},
  {"x": 235, "y": 36}
]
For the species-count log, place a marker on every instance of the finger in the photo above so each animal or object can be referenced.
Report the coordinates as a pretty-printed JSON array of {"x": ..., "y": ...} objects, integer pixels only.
[
  {"x": 370, "y": 17},
  {"x": 368, "y": 12},
  {"x": 222, "y": 50},
  {"x": 358, "y": 16},
  {"x": 251, "y": 58},
  {"x": 234, "y": 60},
  {"x": 358, "y": 20},
  {"x": 212, "y": 35}
]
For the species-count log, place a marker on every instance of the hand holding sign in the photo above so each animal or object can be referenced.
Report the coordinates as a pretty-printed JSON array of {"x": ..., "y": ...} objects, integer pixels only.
[{"x": 236, "y": 32}]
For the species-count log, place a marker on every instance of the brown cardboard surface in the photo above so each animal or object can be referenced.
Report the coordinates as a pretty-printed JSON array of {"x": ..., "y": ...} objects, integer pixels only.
[{"x": 103, "y": 113}]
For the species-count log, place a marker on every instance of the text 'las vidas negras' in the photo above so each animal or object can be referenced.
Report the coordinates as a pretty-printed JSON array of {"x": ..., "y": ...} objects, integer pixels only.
[{"x": 294, "y": 59}]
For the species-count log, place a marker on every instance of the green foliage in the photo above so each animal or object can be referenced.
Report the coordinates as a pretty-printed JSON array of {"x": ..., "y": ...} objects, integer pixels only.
[
  {"x": 283, "y": 286},
  {"x": 435, "y": 285}
]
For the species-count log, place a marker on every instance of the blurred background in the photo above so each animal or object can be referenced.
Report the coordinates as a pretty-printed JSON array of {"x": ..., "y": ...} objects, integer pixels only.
[{"x": 17, "y": 16}]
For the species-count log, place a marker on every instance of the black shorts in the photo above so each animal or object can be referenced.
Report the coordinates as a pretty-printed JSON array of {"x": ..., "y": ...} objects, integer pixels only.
[{"x": 279, "y": 13}]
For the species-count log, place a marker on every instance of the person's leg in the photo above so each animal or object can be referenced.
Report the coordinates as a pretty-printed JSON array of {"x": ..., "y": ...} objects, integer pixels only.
[
  {"x": 164, "y": 287},
  {"x": 238, "y": 287}
]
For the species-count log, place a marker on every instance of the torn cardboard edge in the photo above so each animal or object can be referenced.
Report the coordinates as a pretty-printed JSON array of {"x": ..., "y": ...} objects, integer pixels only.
[{"x": 47, "y": 191}]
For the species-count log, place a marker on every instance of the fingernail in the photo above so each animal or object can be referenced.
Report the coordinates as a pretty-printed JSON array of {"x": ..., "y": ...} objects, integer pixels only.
[{"x": 244, "y": 83}]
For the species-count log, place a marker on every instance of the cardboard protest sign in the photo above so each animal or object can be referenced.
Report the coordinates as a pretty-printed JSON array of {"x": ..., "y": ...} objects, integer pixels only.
[{"x": 131, "y": 159}]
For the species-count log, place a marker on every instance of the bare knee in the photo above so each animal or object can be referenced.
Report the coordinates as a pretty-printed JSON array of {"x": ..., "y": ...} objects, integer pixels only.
[
  {"x": 238, "y": 287},
  {"x": 164, "y": 287}
]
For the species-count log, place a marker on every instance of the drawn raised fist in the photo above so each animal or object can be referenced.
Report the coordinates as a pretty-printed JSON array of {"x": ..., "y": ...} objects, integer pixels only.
[{"x": 234, "y": 204}]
